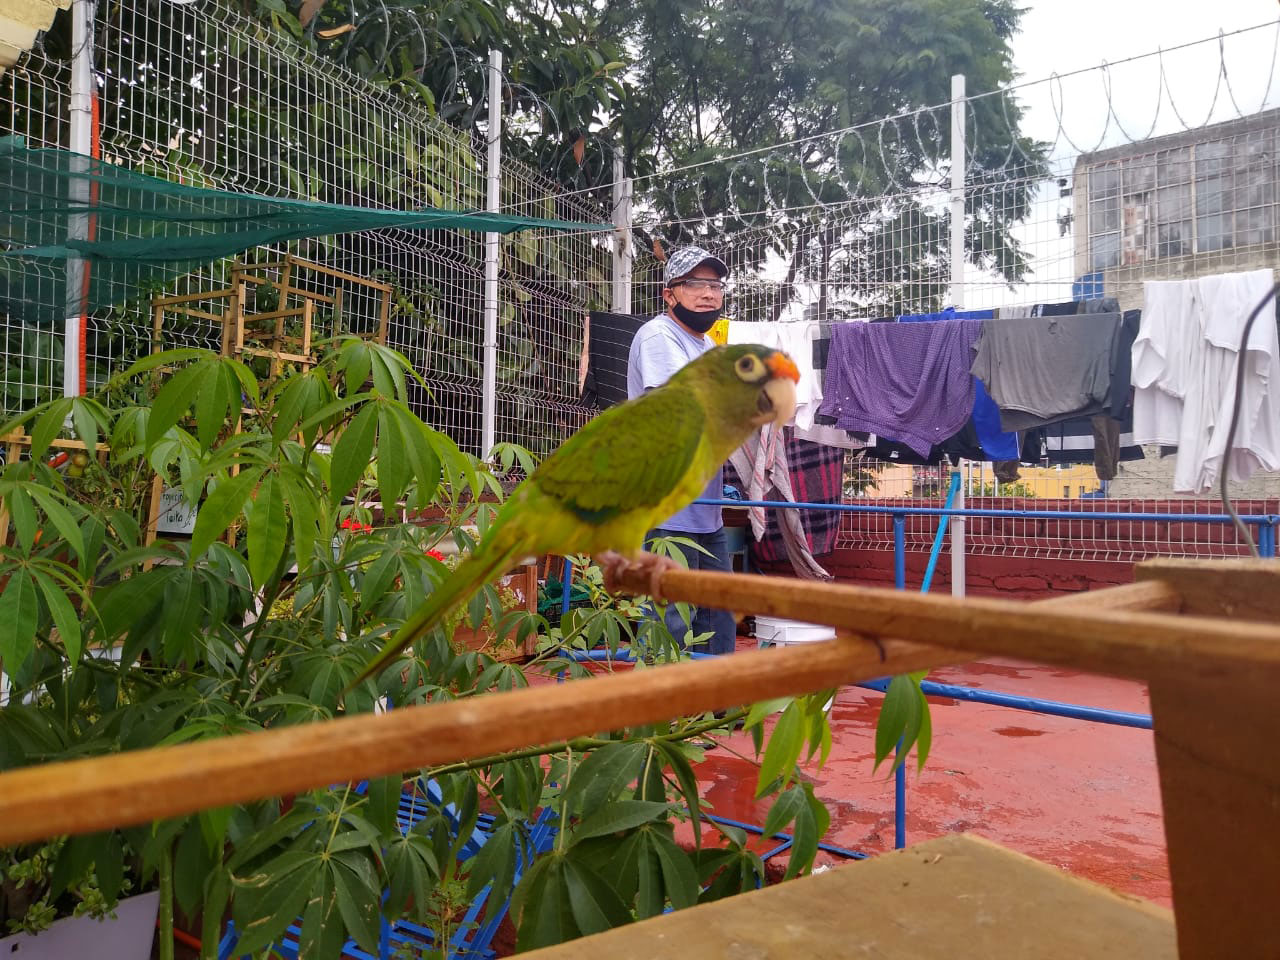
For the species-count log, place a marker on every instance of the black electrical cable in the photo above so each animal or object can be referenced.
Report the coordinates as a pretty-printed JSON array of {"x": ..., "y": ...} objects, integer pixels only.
[{"x": 1242, "y": 356}]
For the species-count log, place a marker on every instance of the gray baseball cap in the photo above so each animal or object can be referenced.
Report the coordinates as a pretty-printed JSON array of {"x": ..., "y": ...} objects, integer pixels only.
[{"x": 682, "y": 261}]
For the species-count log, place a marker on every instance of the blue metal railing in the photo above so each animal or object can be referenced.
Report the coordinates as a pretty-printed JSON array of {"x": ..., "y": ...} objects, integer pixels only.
[{"x": 1266, "y": 520}]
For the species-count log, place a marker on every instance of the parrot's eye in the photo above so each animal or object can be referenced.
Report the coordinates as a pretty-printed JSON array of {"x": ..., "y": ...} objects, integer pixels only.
[{"x": 749, "y": 367}]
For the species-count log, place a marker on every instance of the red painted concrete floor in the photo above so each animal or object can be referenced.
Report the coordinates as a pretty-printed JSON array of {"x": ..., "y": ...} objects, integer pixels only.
[{"x": 1081, "y": 796}]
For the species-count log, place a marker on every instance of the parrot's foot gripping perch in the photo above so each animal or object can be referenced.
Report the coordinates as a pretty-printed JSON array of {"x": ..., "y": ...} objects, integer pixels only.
[{"x": 616, "y": 566}]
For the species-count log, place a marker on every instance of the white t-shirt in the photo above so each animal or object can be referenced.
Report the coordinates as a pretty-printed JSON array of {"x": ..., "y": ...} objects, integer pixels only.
[
  {"x": 1167, "y": 356},
  {"x": 1184, "y": 374},
  {"x": 1226, "y": 301}
]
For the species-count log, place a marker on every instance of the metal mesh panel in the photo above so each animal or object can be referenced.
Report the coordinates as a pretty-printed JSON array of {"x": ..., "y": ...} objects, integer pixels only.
[{"x": 196, "y": 93}]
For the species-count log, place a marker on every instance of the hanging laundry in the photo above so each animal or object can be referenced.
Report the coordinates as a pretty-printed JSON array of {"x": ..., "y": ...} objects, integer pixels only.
[
  {"x": 815, "y": 472},
  {"x": 1226, "y": 301},
  {"x": 830, "y": 436},
  {"x": 1185, "y": 364},
  {"x": 909, "y": 381},
  {"x": 1120, "y": 404},
  {"x": 1013, "y": 313},
  {"x": 1102, "y": 440},
  {"x": 1069, "y": 309},
  {"x": 947, "y": 313},
  {"x": 1042, "y": 369},
  {"x": 761, "y": 463},
  {"x": 996, "y": 442},
  {"x": 823, "y": 429},
  {"x": 962, "y": 445},
  {"x": 608, "y": 341}
]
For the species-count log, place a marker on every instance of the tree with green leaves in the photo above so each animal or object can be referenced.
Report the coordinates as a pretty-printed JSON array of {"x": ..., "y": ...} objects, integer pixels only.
[
  {"x": 710, "y": 91},
  {"x": 852, "y": 203}
]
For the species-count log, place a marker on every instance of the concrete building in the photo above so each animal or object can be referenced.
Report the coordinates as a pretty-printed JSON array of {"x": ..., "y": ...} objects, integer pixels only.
[{"x": 1172, "y": 207}]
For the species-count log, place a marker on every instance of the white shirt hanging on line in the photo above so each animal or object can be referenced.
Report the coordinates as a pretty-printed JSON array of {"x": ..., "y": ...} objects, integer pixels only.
[
  {"x": 1184, "y": 372},
  {"x": 1226, "y": 301},
  {"x": 1167, "y": 357}
]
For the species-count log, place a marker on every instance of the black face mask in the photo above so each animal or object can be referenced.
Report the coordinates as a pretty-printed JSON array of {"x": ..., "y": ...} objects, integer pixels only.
[{"x": 699, "y": 321}]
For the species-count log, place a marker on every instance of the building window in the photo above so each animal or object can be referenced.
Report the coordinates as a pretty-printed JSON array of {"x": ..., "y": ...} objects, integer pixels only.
[{"x": 1201, "y": 198}]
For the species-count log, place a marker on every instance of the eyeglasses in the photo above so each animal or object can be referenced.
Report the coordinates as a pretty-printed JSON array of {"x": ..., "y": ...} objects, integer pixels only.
[{"x": 697, "y": 286}]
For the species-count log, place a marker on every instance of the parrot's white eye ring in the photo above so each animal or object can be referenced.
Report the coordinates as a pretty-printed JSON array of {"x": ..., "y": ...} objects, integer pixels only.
[{"x": 749, "y": 367}]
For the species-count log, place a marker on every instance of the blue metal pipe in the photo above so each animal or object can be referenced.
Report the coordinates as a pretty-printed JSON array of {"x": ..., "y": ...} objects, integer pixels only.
[
  {"x": 1267, "y": 540},
  {"x": 900, "y": 803},
  {"x": 1261, "y": 518},
  {"x": 759, "y": 831},
  {"x": 899, "y": 551},
  {"x": 940, "y": 536},
  {"x": 1053, "y": 708},
  {"x": 564, "y": 587}
]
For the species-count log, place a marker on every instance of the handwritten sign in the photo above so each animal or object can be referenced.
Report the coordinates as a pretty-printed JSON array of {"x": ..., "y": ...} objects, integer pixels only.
[{"x": 176, "y": 516}]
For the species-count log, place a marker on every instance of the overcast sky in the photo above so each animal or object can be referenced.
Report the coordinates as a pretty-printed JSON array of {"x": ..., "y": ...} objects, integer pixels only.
[
  {"x": 1064, "y": 37},
  {"x": 1072, "y": 113}
]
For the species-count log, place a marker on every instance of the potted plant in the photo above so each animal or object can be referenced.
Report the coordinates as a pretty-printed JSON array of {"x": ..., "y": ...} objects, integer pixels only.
[
  {"x": 49, "y": 914},
  {"x": 502, "y": 632}
]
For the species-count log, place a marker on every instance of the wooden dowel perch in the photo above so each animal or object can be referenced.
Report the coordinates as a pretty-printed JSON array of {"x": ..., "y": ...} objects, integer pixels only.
[
  {"x": 1087, "y": 635},
  {"x": 86, "y": 795},
  {"x": 93, "y": 794}
]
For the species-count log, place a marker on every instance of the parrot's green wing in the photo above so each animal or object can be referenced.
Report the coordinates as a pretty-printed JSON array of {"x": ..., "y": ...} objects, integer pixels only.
[{"x": 628, "y": 458}]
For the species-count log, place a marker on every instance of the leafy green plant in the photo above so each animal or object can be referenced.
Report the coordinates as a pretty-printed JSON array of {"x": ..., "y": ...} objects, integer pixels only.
[
  {"x": 265, "y": 614},
  {"x": 1019, "y": 488}
]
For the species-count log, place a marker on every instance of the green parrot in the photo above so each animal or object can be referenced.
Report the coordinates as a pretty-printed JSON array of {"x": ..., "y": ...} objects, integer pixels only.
[{"x": 621, "y": 475}]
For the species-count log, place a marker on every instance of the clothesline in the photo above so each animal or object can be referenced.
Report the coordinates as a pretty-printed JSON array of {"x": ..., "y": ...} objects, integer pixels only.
[{"x": 1054, "y": 382}]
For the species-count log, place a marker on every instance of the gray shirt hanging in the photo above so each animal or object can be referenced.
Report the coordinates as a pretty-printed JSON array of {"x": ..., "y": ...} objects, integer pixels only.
[{"x": 1045, "y": 367}]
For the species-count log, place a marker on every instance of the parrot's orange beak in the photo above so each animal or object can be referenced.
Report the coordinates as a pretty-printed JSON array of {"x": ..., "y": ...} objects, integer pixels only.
[{"x": 781, "y": 365}]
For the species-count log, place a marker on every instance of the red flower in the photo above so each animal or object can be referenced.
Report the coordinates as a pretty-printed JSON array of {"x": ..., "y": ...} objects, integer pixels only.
[{"x": 436, "y": 555}]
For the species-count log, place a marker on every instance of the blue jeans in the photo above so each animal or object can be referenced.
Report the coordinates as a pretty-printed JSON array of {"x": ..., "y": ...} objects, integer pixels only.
[{"x": 719, "y": 623}]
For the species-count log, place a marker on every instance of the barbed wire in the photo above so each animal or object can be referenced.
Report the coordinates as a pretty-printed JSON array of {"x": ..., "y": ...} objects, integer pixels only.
[{"x": 868, "y": 139}]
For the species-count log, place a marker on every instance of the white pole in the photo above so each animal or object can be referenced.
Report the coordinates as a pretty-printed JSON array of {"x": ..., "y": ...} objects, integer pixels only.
[
  {"x": 623, "y": 253},
  {"x": 78, "y": 225},
  {"x": 957, "y": 294},
  {"x": 489, "y": 399}
]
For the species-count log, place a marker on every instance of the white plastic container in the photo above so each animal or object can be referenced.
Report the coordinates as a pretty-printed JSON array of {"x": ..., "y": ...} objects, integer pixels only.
[{"x": 782, "y": 633}]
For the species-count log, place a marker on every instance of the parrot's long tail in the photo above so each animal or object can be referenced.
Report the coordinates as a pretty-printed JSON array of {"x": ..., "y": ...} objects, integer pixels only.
[{"x": 484, "y": 565}]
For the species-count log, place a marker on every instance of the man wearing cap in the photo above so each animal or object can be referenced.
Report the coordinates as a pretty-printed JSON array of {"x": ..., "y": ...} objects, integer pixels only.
[{"x": 693, "y": 289}]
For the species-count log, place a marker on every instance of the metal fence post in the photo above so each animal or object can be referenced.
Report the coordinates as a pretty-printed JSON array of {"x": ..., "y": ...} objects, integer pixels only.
[
  {"x": 958, "y": 169},
  {"x": 900, "y": 775},
  {"x": 623, "y": 252},
  {"x": 1267, "y": 537},
  {"x": 900, "y": 550},
  {"x": 81, "y": 143},
  {"x": 900, "y": 802},
  {"x": 489, "y": 347}
]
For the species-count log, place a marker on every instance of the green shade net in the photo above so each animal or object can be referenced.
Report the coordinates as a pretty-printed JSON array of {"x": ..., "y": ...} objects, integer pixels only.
[{"x": 138, "y": 232}]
